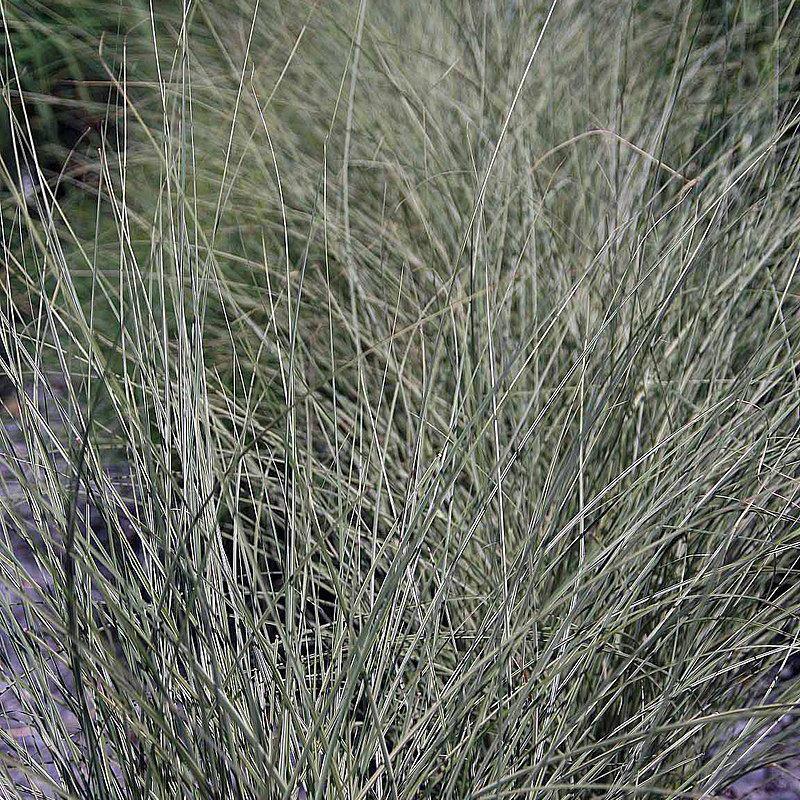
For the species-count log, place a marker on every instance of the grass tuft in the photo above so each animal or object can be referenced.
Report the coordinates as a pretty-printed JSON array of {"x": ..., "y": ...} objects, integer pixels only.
[{"x": 407, "y": 400}]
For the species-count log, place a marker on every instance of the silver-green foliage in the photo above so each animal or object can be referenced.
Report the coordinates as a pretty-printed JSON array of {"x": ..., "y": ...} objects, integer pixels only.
[{"x": 454, "y": 357}]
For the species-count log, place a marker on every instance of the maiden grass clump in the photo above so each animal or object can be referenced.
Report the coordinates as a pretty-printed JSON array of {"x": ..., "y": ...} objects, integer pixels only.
[{"x": 451, "y": 356}]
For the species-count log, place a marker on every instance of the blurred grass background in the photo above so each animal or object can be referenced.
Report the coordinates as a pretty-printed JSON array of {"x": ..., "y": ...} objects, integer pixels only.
[{"x": 453, "y": 348}]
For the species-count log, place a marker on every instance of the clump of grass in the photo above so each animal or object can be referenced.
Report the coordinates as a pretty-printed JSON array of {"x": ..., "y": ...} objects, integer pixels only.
[{"x": 453, "y": 355}]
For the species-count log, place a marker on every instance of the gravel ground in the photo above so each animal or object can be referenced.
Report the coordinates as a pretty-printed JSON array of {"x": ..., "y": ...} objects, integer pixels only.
[
  {"x": 766, "y": 759},
  {"x": 31, "y": 561}
]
